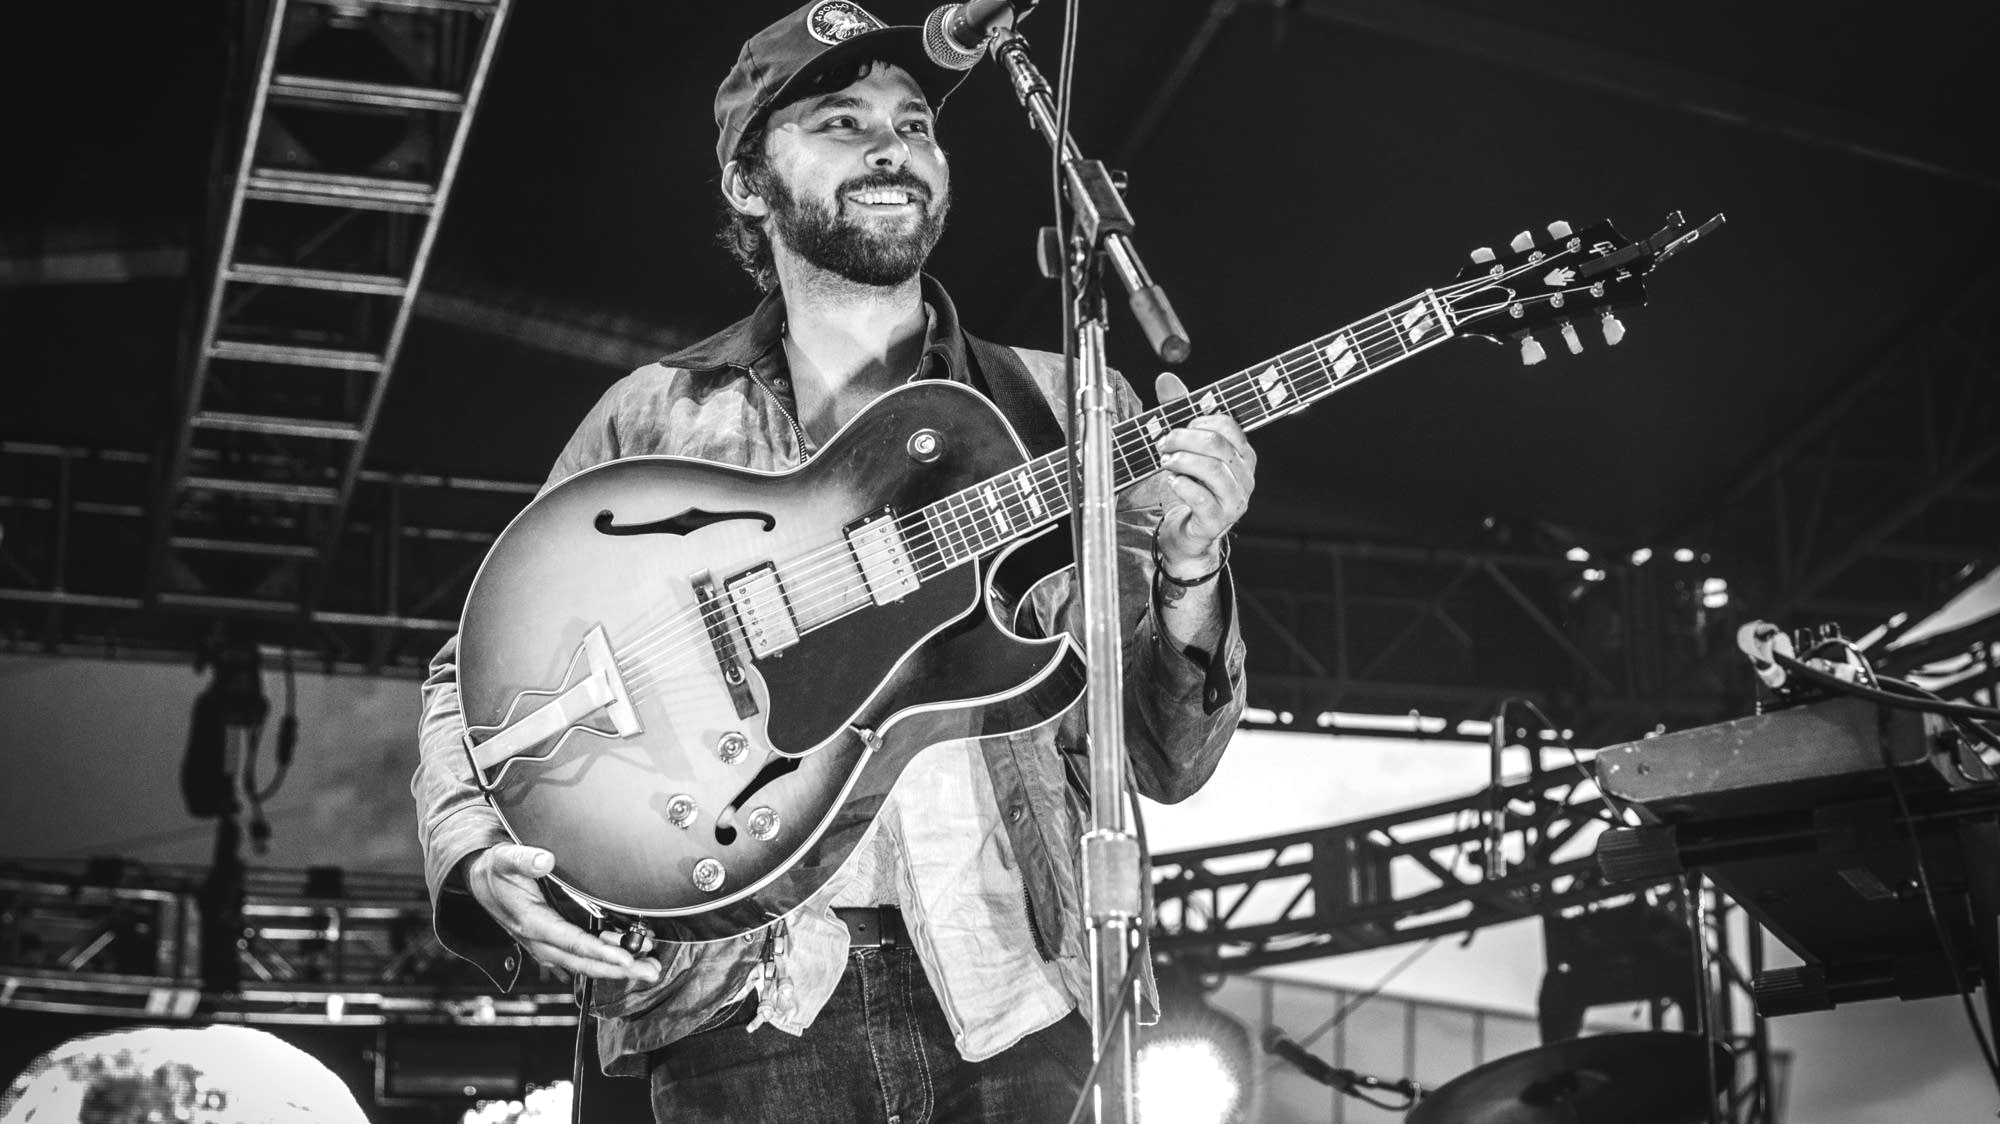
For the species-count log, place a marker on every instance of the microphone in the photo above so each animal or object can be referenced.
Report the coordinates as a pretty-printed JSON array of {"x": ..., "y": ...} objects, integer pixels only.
[
  {"x": 955, "y": 34},
  {"x": 1760, "y": 641},
  {"x": 1345, "y": 1080}
]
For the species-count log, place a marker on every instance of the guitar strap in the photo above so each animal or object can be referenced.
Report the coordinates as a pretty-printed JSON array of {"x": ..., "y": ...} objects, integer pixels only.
[{"x": 1014, "y": 390}]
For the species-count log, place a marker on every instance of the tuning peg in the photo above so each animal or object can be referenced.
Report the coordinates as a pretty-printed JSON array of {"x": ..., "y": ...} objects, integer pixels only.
[
  {"x": 1613, "y": 330},
  {"x": 1522, "y": 241},
  {"x": 1569, "y": 337},
  {"x": 1559, "y": 230},
  {"x": 1531, "y": 351},
  {"x": 1483, "y": 255}
]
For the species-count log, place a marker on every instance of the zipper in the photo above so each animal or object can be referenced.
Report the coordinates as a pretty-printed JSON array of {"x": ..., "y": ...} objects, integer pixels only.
[
  {"x": 1034, "y": 929},
  {"x": 798, "y": 431}
]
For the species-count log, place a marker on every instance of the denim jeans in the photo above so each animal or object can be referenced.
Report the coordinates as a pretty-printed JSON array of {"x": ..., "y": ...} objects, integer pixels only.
[{"x": 880, "y": 1051}]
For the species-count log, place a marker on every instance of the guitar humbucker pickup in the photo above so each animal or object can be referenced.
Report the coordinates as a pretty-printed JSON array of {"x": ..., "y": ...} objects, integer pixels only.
[
  {"x": 762, "y": 610},
  {"x": 883, "y": 557}
]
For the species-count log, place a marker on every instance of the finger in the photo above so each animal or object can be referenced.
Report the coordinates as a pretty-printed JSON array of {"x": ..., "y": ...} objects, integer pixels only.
[
  {"x": 1213, "y": 434},
  {"x": 521, "y": 860},
  {"x": 1230, "y": 430},
  {"x": 1205, "y": 442},
  {"x": 1206, "y": 517},
  {"x": 1216, "y": 476},
  {"x": 535, "y": 923},
  {"x": 1168, "y": 387},
  {"x": 578, "y": 952},
  {"x": 566, "y": 961}
]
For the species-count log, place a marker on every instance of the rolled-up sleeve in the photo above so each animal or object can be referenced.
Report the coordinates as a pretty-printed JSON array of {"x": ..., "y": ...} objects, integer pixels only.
[
  {"x": 454, "y": 823},
  {"x": 1181, "y": 703}
]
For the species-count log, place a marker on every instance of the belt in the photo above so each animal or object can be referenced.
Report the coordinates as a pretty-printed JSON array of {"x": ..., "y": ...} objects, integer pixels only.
[{"x": 878, "y": 926}]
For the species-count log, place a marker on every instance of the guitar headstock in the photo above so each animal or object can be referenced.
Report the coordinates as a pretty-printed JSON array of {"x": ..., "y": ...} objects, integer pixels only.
[{"x": 1551, "y": 283}]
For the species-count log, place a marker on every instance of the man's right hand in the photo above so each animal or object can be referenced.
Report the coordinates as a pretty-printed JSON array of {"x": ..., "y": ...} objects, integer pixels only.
[{"x": 503, "y": 877}]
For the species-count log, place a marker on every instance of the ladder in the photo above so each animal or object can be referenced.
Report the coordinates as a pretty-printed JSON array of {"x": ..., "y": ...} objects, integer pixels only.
[{"x": 357, "y": 120}]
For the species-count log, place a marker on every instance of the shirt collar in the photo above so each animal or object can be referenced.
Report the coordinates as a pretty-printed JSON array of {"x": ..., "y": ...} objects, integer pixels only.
[{"x": 752, "y": 339}]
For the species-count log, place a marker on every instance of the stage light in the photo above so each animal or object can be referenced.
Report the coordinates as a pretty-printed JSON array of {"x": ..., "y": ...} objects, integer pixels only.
[
  {"x": 1642, "y": 556},
  {"x": 1578, "y": 554},
  {"x": 1714, "y": 593},
  {"x": 1284, "y": 718},
  {"x": 1185, "y": 1080},
  {"x": 1683, "y": 555},
  {"x": 1593, "y": 575}
]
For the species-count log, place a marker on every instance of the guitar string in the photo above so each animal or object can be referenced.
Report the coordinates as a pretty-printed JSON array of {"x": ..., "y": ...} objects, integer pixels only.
[
  {"x": 967, "y": 519},
  {"x": 808, "y": 577},
  {"x": 1233, "y": 394}
]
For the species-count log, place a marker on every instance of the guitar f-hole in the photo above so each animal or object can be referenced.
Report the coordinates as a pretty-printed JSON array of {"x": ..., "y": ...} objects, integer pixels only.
[{"x": 725, "y": 823}]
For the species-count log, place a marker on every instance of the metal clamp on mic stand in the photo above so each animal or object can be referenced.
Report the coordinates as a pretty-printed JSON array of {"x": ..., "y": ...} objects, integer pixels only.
[{"x": 1112, "y": 891}]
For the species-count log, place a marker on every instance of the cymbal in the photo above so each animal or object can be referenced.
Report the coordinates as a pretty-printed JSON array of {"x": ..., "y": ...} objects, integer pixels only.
[{"x": 1646, "y": 1077}]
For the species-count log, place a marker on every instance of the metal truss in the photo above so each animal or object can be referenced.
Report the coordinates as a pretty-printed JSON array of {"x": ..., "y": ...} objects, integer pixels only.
[
  {"x": 1406, "y": 876},
  {"x": 357, "y": 119},
  {"x": 1390, "y": 628},
  {"x": 1882, "y": 503},
  {"x": 405, "y": 560},
  {"x": 113, "y": 940}
]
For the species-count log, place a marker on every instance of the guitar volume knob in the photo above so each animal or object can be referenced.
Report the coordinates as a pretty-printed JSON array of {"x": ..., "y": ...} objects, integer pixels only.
[
  {"x": 731, "y": 747},
  {"x": 708, "y": 875},
  {"x": 763, "y": 824},
  {"x": 681, "y": 810}
]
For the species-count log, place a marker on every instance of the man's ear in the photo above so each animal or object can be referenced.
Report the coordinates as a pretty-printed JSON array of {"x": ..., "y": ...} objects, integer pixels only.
[{"x": 737, "y": 190}]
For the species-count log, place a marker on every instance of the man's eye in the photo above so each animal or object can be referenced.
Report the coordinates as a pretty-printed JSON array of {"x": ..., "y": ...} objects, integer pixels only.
[
  {"x": 922, "y": 128},
  {"x": 839, "y": 123}
]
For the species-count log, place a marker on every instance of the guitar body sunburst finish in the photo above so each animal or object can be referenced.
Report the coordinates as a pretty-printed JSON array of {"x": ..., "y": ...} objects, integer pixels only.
[{"x": 819, "y": 729}]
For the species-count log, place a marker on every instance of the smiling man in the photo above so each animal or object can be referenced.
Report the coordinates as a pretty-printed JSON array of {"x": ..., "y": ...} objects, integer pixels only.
[{"x": 938, "y": 975}]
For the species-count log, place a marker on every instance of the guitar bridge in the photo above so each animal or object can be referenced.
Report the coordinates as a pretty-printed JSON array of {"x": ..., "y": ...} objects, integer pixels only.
[{"x": 601, "y": 687}]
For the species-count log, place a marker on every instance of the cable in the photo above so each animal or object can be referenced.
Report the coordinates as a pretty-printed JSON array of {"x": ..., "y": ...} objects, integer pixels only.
[
  {"x": 1621, "y": 813},
  {"x": 1375, "y": 989},
  {"x": 1932, "y": 706},
  {"x": 1917, "y": 854}
]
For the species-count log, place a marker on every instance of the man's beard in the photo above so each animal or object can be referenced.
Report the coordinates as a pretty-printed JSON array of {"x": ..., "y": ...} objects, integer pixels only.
[{"x": 816, "y": 231}]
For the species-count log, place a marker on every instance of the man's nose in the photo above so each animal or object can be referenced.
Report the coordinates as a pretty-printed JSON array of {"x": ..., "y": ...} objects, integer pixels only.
[{"x": 888, "y": 151}]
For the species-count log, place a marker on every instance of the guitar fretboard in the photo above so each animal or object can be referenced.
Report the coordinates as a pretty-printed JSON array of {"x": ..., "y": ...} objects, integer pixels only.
[{"x": 1000, "y": 509}]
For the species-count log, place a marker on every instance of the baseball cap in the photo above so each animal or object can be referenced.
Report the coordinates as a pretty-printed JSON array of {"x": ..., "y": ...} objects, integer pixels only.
[{"x": 779, "y": 63}]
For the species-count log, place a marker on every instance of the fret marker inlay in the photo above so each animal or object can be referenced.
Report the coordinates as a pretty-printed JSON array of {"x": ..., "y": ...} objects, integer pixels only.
[
  {"x": 1276, "y": 390},
  {"x": 997, "y": 509},
  {"x": 1340, "y": 355},
  {"x": 1030, "y": 495},
  {"x": 1416, "y": 322}
]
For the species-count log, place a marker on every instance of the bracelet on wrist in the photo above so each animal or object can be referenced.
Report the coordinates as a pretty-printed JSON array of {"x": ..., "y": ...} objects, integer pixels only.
[{"x": 1160, "y": 565}]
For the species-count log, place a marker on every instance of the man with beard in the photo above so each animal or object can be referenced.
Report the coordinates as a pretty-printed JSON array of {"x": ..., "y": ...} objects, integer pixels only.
[{"x": 939, "y": 974}]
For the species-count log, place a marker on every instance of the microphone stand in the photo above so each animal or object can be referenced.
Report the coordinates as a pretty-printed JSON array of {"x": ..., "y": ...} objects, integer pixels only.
[{"x": 1112, "y": 891}]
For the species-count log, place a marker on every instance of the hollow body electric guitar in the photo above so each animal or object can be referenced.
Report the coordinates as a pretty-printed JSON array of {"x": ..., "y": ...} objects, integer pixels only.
[{"x": 696, "y": 684}]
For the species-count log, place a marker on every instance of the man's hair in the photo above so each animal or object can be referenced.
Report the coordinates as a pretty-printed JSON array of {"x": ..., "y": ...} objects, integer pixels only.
[{"x": 743, "y": 235}]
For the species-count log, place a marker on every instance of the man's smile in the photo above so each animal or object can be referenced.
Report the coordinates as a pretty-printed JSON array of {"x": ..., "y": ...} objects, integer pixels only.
[{"x": 889, "y": 199}]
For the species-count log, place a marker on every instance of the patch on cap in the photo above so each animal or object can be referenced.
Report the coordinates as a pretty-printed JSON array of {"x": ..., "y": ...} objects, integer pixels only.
[{"x": 833, "y": 22}]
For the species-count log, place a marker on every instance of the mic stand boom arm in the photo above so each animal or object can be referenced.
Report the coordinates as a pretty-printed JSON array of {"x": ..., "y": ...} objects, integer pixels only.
[
  {"x": 1102, "y": 219},
  {"x": 1112, "y": 891}
]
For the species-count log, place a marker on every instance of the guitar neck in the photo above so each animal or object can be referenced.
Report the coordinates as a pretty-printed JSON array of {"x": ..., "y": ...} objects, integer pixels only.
[{"x": 1018, "y": 503}]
